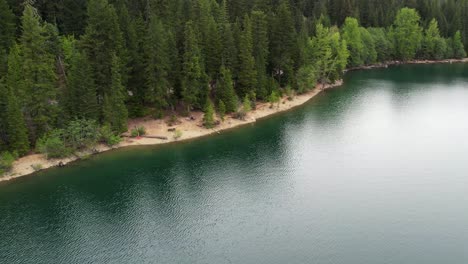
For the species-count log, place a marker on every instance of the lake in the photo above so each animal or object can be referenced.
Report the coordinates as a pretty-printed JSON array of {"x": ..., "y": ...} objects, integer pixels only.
[{"x": 375, "y": 171}]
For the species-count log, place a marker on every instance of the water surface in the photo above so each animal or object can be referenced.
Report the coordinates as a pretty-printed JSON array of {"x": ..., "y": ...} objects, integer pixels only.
[{"x": 373, "y": 172}]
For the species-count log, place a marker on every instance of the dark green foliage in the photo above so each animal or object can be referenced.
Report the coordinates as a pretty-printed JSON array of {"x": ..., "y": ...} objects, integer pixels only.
[
  {"x": 38, "y": 79},
  {"x": 6, "y": 162},
  {"x": 208, "y": 118},
  {"x": 102, "y": 42},
  {"x": 108, "y": 137},
  {"x": 53, "y": 146},
  {"x": 81, "y": 89},
  {"x": 7, "y": 33},
  {"x": 247, "y": 78},
  {"x": 225, "y": 90},
  {"x": 222, "y": 110},
  {"x": 114, "y": 111},
  {"x": 104, "y": 60},
  {"x": 157, "y": 64},
  {"x": 194, "y": 83},
  {"x": 81, "y": 133}
]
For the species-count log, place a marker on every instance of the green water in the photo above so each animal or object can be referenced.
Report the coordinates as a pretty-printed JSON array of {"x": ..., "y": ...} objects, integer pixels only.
[{"x": 373, "y": 172}]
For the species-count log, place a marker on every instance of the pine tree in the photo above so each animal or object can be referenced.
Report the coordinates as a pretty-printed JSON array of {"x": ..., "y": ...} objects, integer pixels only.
[
  {"x": 458, "y": 49},
  {"x": 283, "y": 43},
  {"x": 225, "y": 90},
  {"x": 7, "y": 33},
  {"x": 114, "y": 110},
  {"x": 247, "y": 79},
  {"x": 39, "y": 78},
  {"x": 17, "y": 133},
  {"x": 157, "y": 64},
  {"x": 229, "y": 49},
  {"x": 208, "y": 118},
  {"x": 101, "y": 41},
  {"x": 81, "y": 89},
  {"x": 221, "y": 110},
  {"x": 260, "y": 51},
  {"x": 195, "y": 86},
  {"x": 433, "y": 45}
]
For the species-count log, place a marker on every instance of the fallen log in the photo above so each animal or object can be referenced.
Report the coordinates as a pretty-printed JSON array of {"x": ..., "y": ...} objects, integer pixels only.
[{"x": 156, "y": 137}]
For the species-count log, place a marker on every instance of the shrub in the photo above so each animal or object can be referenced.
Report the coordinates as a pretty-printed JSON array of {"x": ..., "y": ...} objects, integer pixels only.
[
  {"x": 246, "y": 107},
  {"x": 81, "y": 133},
  {"x": 138, "y": 132},
  {"x": 274, "y": 98},
  {"x": 289, "y": 93},
  {"x": 306, "y": 79},
  {"x": 36, "y": 167},
  {"x": 108, "y": 137},
  {"x": 177, "y": 134},
  {"x": 6, "y": 162},
  {"x": 173, "y": 120},
  {"x": 53, "y": 146}
]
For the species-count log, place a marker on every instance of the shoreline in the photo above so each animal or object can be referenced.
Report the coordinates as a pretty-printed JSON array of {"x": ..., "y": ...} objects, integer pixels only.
[
  {"x": 411, "y": 62},
  {"x": 191, "y": 129}
]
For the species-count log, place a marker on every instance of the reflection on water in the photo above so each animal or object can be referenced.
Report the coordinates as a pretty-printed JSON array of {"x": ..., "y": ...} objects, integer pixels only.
[{"x": 372, "y": 172}]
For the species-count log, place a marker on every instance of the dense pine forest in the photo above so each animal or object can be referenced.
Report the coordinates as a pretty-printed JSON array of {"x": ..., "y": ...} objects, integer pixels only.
[{"x": 74, "y": 71}]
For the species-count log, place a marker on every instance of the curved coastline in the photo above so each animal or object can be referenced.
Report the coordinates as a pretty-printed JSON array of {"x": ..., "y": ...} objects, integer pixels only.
[{"x": 29, "y": 165}]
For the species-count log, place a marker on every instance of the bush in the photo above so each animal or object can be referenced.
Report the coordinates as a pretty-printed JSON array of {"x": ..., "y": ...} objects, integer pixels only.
[
  {"x": 177, "y": 134},
  {"x": 108, "y": 137},
  {"x": 246, "y": 107},
  {"x": 81, "y": 133},
  {"x": 306, "y": 79},
  {"x": 138, "y": 132},
  {"x": 274, "y": 98},
  {"x": 6, "y": 162},
  {"x": 53, "y": 146},
  {"x": 36, "y": 167}
]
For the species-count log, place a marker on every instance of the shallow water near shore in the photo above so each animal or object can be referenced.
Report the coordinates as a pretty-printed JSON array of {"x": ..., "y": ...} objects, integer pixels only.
[{"x": 375, "y": 171}]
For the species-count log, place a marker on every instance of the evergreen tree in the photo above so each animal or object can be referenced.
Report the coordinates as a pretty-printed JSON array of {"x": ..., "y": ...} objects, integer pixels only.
[
  {"x": 114, "y": 111},
  {"x": 260, "y": 51},
  {"x": 81, "y": 89},
  {"x": 39, "y": 78},
  {"x": 157, "y": 64},
  {"x": 458, "y": 49},
  {"x": 16, "y": 130},
  {"x": 433, "y": 45},
  {"x": 7, "y": 33},
  {"x": 282, "y": 43},
  {"x": 229, "y": 50},
  {"x": 247, "y": 73},
  {"x": 208, "y": 118},
  {"x": 222, "y": 110},
  {"x": 101, "y": 41},
  {"x": 195, "y": 86},
  {"x": 225, "y": 90}
]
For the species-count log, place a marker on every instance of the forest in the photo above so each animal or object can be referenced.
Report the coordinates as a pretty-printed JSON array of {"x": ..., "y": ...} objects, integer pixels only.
[{"x": 72, "y": 72}]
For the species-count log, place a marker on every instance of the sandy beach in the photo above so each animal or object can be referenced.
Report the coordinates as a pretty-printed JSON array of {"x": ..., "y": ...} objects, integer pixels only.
[{"x": 190, "y": 128}]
